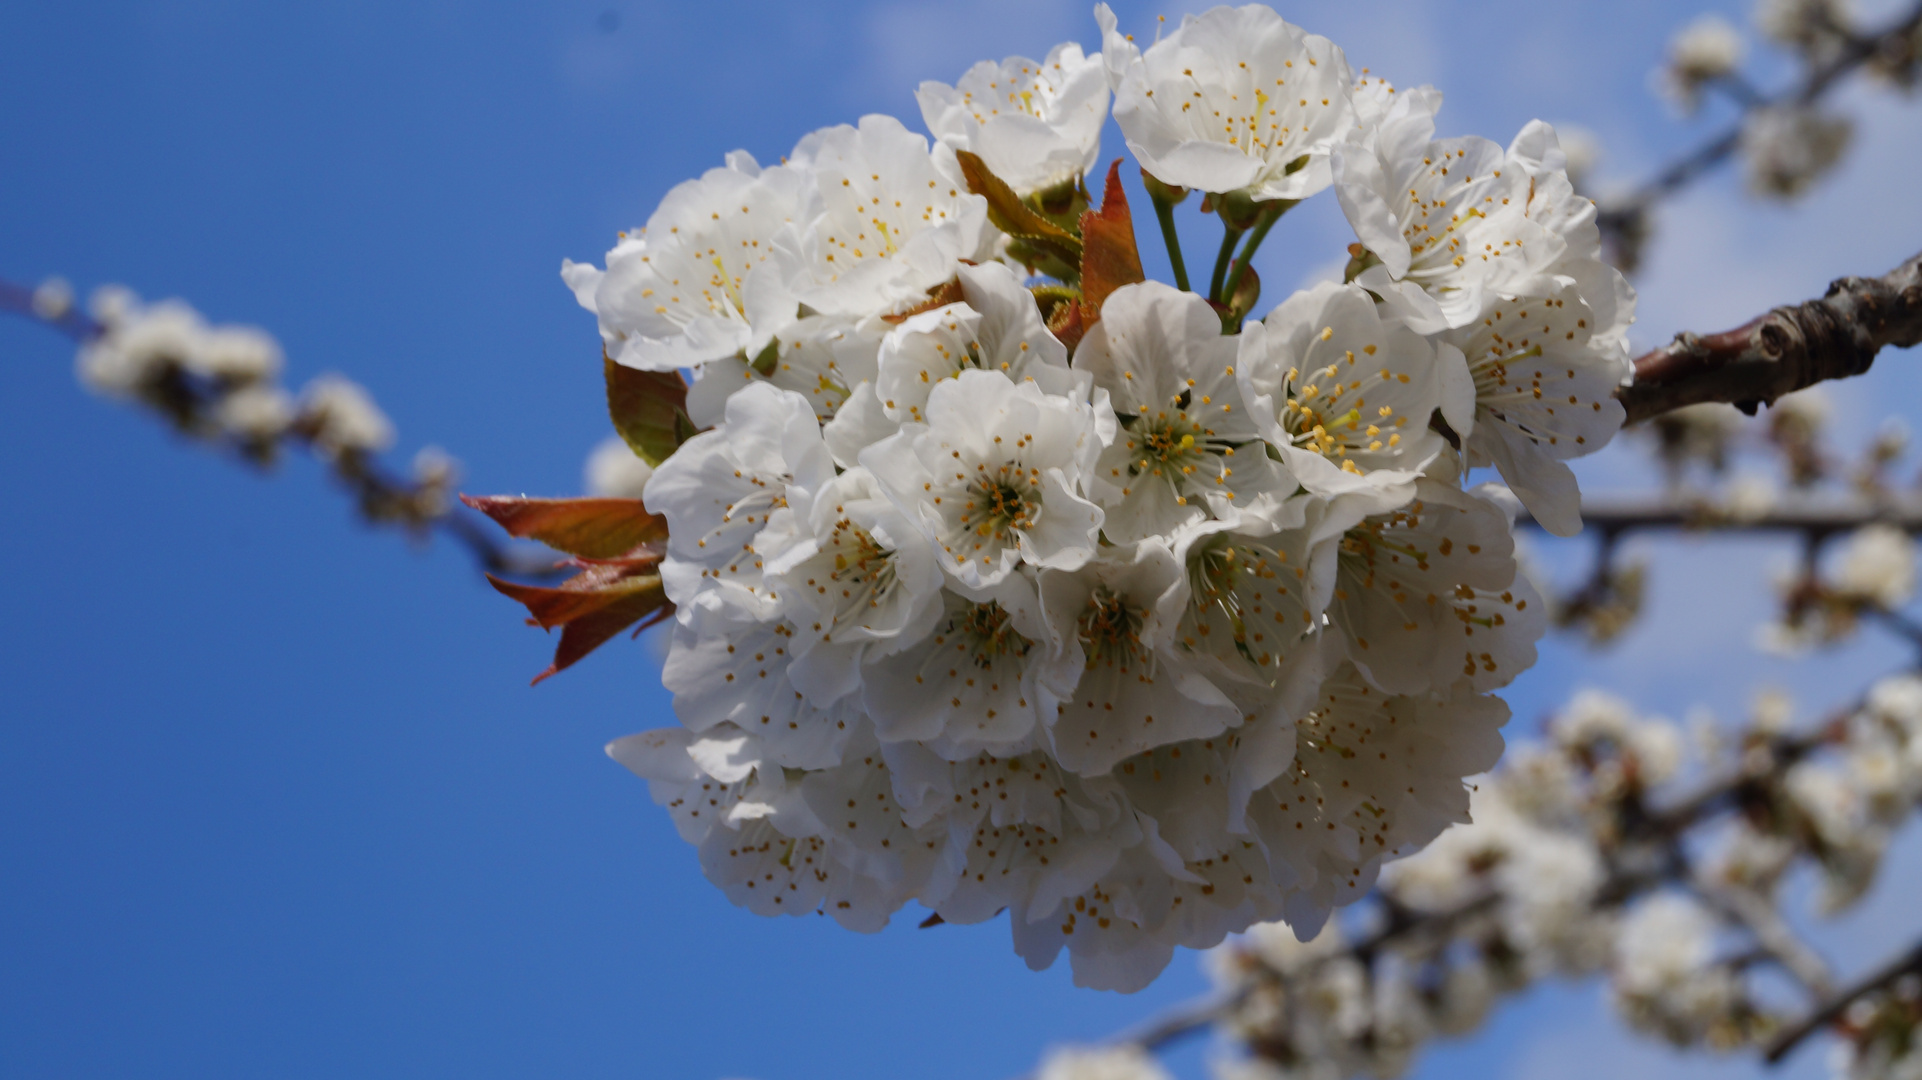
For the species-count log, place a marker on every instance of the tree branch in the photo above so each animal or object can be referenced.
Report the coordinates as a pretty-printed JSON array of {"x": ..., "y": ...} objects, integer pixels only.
[
  {"x": 1832, "y": 1009},
  {"x": 381, "y": 496},
  {"x": 1785, "y": 350},
  {"x": 1612, "y": 512},
  {"x": 1624, "y": 217}
]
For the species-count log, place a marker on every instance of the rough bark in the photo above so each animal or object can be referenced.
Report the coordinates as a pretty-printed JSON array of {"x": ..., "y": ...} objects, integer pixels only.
[{"x": 1783, "y": 351}]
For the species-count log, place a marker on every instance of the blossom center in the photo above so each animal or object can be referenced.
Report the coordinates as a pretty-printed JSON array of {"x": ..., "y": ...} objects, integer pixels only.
[
  {"x": 985, "y": 630},
  {"x": 1111, "y": 630}
]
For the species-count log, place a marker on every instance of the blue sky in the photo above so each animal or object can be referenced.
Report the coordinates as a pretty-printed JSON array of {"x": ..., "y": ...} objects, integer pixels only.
[{"x": 275, "y": 798}]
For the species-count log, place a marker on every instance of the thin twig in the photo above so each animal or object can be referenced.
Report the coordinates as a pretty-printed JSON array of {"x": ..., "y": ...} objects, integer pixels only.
[
  {"x": 1837, "y": 1004},
  {"x": 1775, "y": 936},
  {"x": 381, "y": 496},
  {"x": 1622, "y": 215}
]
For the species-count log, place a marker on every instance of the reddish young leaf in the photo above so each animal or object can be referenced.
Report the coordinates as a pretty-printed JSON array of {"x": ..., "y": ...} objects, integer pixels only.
[
  {"x": 1066, "y": 323},
  {"x": 589, "y": 528},
  {"x": 593, "y": 605},
  {"x": 649, "y": 409},
  {"x": 1109, "y": 257}
]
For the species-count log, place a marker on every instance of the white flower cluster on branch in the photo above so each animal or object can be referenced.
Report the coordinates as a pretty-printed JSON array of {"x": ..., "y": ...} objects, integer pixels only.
[
  {"x": 1606, "y": 850},
  {"x": 1005, "y": 580}
]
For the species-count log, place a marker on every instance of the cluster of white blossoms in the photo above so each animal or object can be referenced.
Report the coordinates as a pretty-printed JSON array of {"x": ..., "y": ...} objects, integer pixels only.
[
  {"x": 1144, "y": 632},
  {"x": 1574, "y": 864},
  {"x": 149, "y": 352}
]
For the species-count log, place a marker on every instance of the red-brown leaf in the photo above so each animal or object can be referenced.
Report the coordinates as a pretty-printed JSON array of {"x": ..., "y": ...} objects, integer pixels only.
[
  {"x": 1109, "y": 257},
  {"x": 589, "y": 528},
  {"x": 592, "y": 606}
]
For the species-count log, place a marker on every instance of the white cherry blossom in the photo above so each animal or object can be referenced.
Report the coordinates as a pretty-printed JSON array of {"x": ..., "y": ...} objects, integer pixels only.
[
  {"x": 1447, "y": 218},
  {"x": 1372, "y": 776},
  {"x": 975, "y": 683},
  {"x": 995, "y": 476},
  {"x": 894, "y": 220},
  {"x": 1256, "y": 597},
  {"x": 861, "y": 580},
  {"x": 675, "y": 293},
  {"x": 1545, "y": 372},
  {"x": 822, "y": 358},
  {"x": 736, "y": 671},
  {"x": 1116, "y": 619},
  {"x": 1345, "y": 396},
  {"x": 723, "y": 487},
  {"x": 1235, "y": 100},
  {"x": 1427, "y": 594},
  {"x": 1188, "y": 448},
  {"x": 996, "y": 327},
  {"x": 1037, "y": 126}
]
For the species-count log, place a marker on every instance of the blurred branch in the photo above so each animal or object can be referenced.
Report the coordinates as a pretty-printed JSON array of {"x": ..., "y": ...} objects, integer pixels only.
[
  {"x": 1783, "y": 351},
  {"x": 382, "y": 497},
  {"x": 1833, "y": 1008},
  {"x": 1625, "y": 218}
]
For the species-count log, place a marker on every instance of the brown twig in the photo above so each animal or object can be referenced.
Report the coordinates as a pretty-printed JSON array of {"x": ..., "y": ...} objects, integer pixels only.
[
  {"x": 1625, "y": 216},
  {"x": 1837, "y": 1004},
  {"x": 381, "y": 496},
  {"x": 1785, "y": 350}
]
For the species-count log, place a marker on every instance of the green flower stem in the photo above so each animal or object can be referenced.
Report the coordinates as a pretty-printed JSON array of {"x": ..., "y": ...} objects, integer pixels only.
[
  {"x": 1165, "y": 214},
  {"x": 1228, "y": 238},
  {"x": 1256, "y": 235}
]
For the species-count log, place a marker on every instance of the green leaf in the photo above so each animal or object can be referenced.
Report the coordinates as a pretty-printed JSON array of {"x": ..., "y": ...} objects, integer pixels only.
[
  {"x": 589, "y": 528},
  {"x": 648, "y": 408},
  {"x": 1016, "y": 218}
]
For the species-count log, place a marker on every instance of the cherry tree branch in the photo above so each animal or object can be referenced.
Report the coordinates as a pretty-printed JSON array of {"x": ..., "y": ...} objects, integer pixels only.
[
  {"x": 380, "y": 495},
  {"x": 1788, "y": 349},
  {"x": 1831, "y": 1010},
  {"x": 1624, "y": 216}
]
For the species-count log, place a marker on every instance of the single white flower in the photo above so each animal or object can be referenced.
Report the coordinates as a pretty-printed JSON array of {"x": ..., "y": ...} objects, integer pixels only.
[
  {"x": 721, "y": 488},
  {"x": 736, "y": 671},
  {"x": 1188, "y": 448},
  {"x": 995, "y": 476},
  {"x": 674, "y": 294},
  {"x": 1878, "y": 564},
  {"x": 1545, "y": 379},
  {"x": 894, "y": 221},
  {"x": 1029, "y": 834},
  {"x": 1705, "y": 50},
  {"x": 974, "y": 683},
  {"x": 1345, "y": 396},
  {"x": 821, "y": 358},
  {"x": 1427, "y": 594},
  {"x": 1665, "y": 976},
  {"x": 1369, "y": 777},
  {"x": 995, "y": 327},
  {"x": 258, "y": 413},
  {"x": 1787, "y": 148},
  {"x": 236, "y": 354},
  {"x": 53, "y": 298},
  {"x": 343, "y": 417},
  {"x": 1116, "y": 619},
  {"x": 861, "y": 581},
  {"x": 1037, "y": 126},
  {"x": 1256, "y": 598},
  {"x": 1235, "y": 100},
  {"x": 615, "y": 471},
  {"x": 1449, "y": 219}
]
